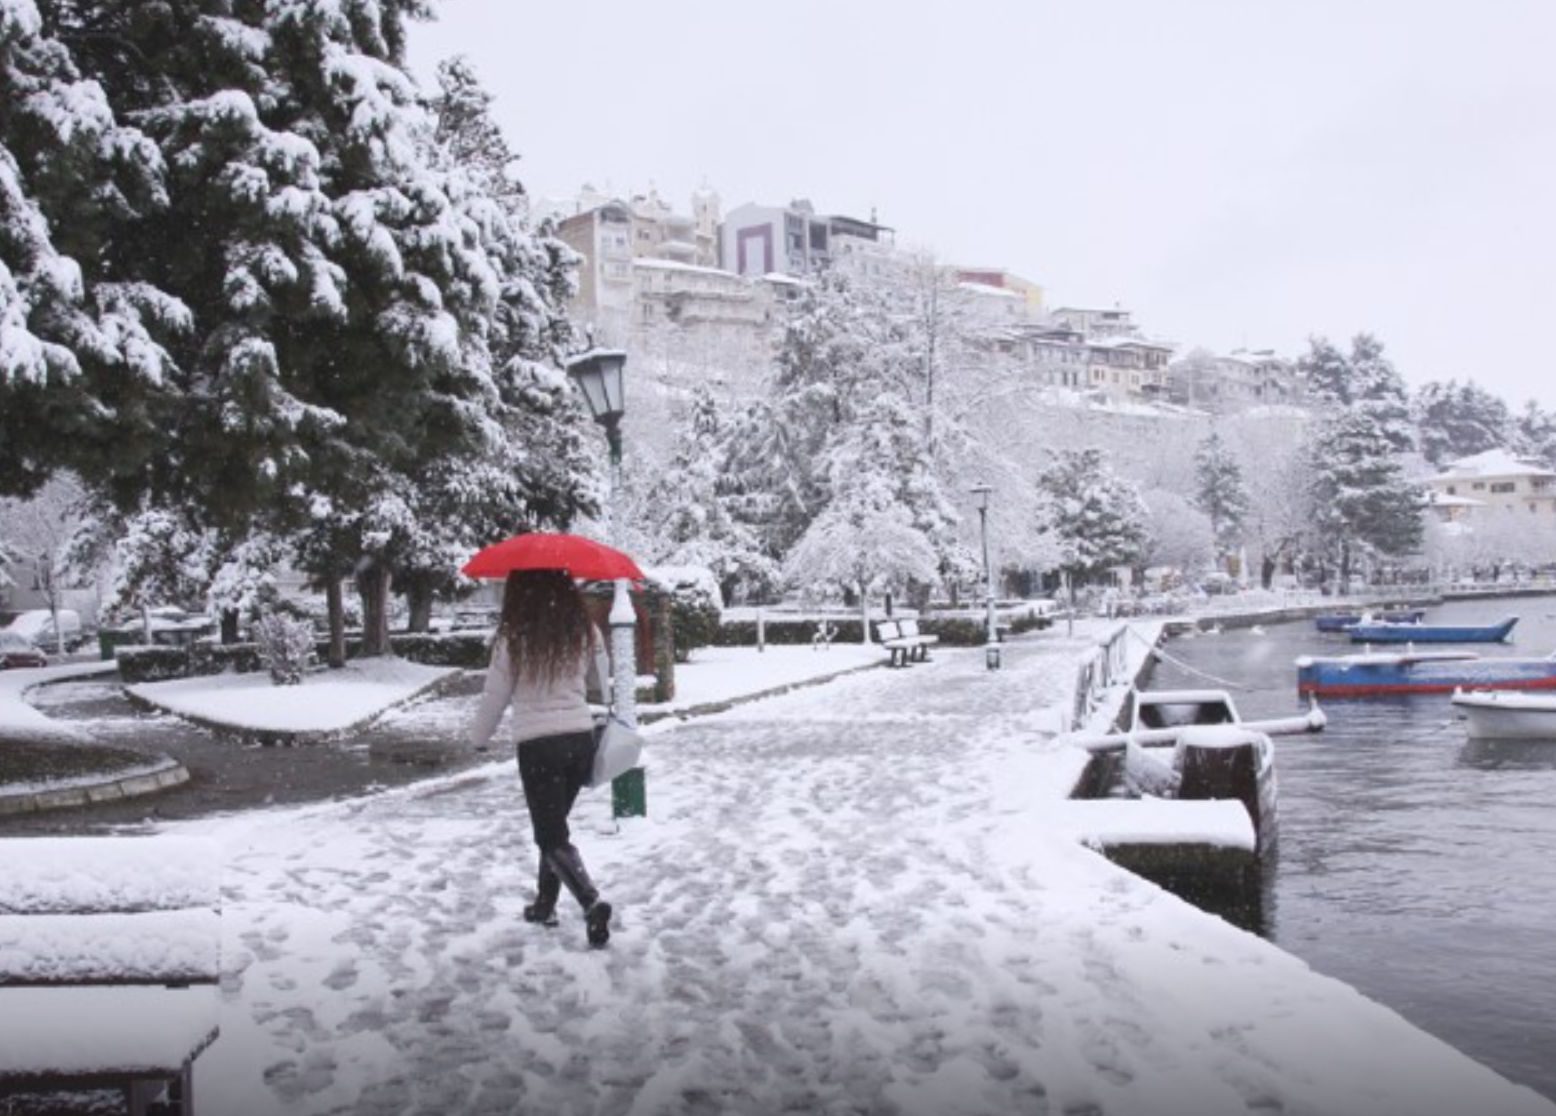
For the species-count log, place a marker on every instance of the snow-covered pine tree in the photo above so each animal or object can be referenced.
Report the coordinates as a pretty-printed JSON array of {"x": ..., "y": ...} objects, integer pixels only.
[
  {"x": 698, "y": 528},
  {"x": 1220, "y": 493},
  {"x": 81, "y": 341},
  {"x": 1361, "y": 499},
  {"x": 470, "y": 139},
  {"x": 1456, "y": 420},
  {"x": 874, "y": 533},
  {"x": 1534, "y": 434},
  {"x": 368, "y": 316},
  {"x": 841, "y": 347},
  {"x": 1325, "y": 373},
  {"x": 1379, "y": 389},
  {"x": 1096, "y": 518},
  {"x": 1365, "y": 378}
]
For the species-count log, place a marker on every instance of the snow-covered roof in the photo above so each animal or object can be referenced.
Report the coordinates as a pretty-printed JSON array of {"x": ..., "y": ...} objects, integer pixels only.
[
  {"x": 1129, "y": 342},
  {"x": 676, "y": 265},
  {"x": 989, "y": 290},
  {"x": 1493, "y": 463},
  {"x": 780, "y": 277}
]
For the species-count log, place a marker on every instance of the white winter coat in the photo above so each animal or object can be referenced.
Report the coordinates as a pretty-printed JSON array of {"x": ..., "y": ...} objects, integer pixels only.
[{"x": 540, "y": 709}]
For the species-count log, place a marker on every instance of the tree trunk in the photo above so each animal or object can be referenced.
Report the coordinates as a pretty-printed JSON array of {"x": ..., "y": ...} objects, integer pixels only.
[
  {"x": 664, "y": 649},
  {"x": 418, "y": 595},
  {"x": 336, "y": 605},
  {"x": 229, "y": 625},
  {"x": 373, "y": 585},
  {"x": 1345, "y": 568},
  {"x": 864, "y": 616},
  {"x": 1267, "y": 571}
]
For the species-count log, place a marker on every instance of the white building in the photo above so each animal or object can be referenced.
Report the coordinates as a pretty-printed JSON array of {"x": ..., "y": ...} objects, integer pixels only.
[
  {"x": 757, "y": 240},
  {"x": 1236, "y": 382},
  {"x": 1495, "y": 479}
]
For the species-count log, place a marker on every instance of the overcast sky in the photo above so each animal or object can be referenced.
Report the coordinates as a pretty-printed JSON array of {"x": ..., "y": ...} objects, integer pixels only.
[{"x": 1238, "y": 173}]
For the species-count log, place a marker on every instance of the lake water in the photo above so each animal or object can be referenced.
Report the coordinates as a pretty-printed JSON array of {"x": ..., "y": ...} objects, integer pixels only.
[{"x": 1413, "y": 865}]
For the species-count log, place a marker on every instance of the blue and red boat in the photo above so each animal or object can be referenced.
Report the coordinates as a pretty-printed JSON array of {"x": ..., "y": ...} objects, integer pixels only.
[
  {"x": 1431, "y": 633},
  {"x": 1420, "y": 672},
  {"x": 1341, "y": 621}
]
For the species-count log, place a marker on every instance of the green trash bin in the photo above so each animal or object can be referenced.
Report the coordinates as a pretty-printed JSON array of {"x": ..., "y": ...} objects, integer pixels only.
[{"x": 111, "y": 639}]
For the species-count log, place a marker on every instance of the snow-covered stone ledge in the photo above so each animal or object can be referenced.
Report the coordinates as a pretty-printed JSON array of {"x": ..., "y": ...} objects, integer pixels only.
[{"x": 46, "y": 765}]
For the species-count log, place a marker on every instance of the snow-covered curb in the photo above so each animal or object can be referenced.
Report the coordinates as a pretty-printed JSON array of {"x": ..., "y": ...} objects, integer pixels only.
[
  {"x": 324, "y": 706},
  {"x": 85, "y": 790},
  {"x": 20, "y": 721}
]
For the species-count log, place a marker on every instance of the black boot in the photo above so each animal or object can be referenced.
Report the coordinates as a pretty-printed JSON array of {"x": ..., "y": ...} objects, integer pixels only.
[
  {"x": 568, "y": 864},
  {"x": 548, "y": 885}
]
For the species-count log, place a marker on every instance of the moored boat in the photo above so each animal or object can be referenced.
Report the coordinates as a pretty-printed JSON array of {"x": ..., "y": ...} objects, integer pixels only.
[
  {"x": 1419, "y": 672},
  {"x": 1343, "y": 621},
  {"x": 1431, "y": 633},
  {"x": 1508, "y": 715}
]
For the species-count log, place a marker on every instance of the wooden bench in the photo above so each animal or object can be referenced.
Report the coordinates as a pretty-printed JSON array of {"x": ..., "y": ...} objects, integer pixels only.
[
  {"x": 904, "y": 641},
  {"x": 110, "y": 954}
]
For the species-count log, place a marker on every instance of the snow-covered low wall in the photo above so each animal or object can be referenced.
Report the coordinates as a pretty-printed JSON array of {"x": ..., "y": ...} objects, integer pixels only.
[
  {"x": 55, "y": 875},
  {"x": 122, "y": 910}
]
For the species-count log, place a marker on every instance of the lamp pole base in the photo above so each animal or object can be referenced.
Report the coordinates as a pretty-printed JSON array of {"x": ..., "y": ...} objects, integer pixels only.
[
  {"x": 991, "y": 656},
  {"x": 629, "y": 795}
]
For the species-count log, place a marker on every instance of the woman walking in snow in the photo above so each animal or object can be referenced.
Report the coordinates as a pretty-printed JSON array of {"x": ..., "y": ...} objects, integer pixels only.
[{"x": 546, "y": 657}]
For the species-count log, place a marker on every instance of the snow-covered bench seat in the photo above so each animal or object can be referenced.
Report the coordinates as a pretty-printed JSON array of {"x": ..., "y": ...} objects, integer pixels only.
[
  {"x": 904, "y": 641},
  {"x": 109, "y": 910}
]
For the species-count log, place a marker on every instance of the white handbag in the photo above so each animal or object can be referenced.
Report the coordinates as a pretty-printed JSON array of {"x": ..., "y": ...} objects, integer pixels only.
[{"x": 618, "y": 750}]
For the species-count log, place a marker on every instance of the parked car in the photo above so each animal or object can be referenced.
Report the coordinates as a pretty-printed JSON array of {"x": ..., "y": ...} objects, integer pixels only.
[
  {"x": 170, "y": 626},
  {"x": 36, "y": 626},
  {"x": 17, "y": 652}
]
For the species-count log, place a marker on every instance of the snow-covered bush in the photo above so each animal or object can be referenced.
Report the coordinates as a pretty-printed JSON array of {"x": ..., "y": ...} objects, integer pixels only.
[{"x": 285, "y": 647}]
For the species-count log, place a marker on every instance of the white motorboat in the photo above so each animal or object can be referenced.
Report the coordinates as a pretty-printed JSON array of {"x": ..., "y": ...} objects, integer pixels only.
[{"x": 1508, "y": 714}]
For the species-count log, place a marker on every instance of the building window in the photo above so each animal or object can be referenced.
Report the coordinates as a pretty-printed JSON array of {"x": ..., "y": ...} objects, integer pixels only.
[
  {"x": 1503, "y": 486},
  {"x": 1452, "y": 491}
]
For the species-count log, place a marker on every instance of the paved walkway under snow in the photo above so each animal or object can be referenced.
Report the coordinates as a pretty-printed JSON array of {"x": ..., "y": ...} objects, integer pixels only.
[{"x": 844, "y": 900}]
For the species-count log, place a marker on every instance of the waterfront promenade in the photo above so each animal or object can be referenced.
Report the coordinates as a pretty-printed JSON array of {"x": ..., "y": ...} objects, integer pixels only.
[{"x": 846, "y": 899}]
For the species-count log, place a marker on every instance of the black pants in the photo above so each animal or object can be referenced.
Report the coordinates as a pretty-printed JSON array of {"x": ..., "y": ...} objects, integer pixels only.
[{"x": 553, "y": 770}]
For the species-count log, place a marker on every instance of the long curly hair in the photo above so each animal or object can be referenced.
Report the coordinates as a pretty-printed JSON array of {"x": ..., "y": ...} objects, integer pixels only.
[{"x": 545, "y": 625}]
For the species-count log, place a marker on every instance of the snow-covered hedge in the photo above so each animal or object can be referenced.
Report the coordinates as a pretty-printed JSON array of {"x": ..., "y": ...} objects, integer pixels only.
[
  {"x": 143, "y": 663},
  {"x": 695, "y": 605},
  {"x": 742, "y": 633},
  {"x": 470, "y": 649},
  {"x": 954, "y": 631}
]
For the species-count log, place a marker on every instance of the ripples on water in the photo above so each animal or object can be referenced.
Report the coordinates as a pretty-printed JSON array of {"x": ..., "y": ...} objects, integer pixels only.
[{"x": 1414, "y": 865}]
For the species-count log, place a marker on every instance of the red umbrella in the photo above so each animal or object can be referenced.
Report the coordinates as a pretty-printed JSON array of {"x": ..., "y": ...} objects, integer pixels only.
[{"x": 583, "y": 558}]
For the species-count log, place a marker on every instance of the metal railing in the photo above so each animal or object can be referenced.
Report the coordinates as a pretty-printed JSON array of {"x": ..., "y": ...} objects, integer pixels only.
[{"x": 1104, "y": 668}]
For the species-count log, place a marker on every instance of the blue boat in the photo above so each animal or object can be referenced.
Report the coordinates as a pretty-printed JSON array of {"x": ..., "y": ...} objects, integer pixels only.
[
  {"x": 1420, "y": 672},
  {"x": 1342, "y": 621},
  {"x": 1431, "y": 633}
]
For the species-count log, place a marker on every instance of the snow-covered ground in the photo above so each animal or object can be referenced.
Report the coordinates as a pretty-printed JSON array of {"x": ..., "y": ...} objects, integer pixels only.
[
  {"x": 324, "y": 702},
  {"x": 846, "y": 899},
  {"x": 718, "y": 674}
]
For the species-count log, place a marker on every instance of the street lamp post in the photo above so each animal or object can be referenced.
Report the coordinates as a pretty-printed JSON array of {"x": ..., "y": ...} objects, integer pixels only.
[
  {"x": 598, "y": 374},
  {"x": 991, "y": 649}
]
